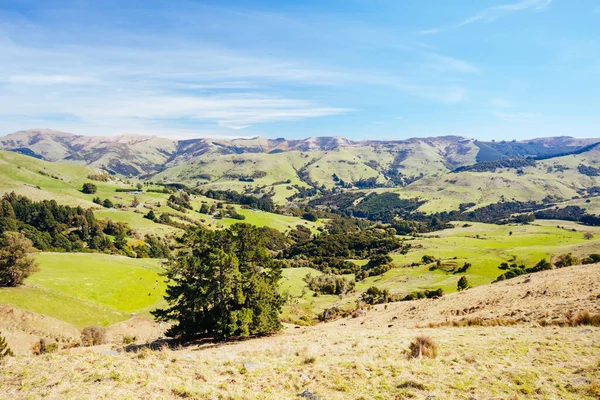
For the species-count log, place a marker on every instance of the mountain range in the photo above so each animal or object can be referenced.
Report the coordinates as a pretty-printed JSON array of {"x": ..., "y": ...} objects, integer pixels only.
[{"x": 446, "y": 170}]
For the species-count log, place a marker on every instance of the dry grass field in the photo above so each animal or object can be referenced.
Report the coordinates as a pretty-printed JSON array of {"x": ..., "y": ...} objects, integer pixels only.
[{"x": 357, "y": 358}]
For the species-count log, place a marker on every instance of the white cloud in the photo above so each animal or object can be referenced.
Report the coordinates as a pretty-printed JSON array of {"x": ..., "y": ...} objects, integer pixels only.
[
  {"x": 491, "y": 14},
  {"x": 451, "y": 64}
]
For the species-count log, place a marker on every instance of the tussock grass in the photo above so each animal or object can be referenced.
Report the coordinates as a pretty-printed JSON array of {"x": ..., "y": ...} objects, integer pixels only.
[{"x": 423, "y": 347}]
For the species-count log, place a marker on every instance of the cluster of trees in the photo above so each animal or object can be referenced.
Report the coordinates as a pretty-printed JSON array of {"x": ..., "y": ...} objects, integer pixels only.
[
  {"x": 569, "y": 213},
  {"x": 260, "y": 203},
  {"x": 329, "y": 252},
  {"x": 491, "y": 166},
  {"x": 106, "y": 203},
  {"x": 588, "y": 170},
  {"x": 329, "y": 284},
  {"x": 180, "y": 201},
  {"x": 564, "y": 260},
  {"x": 53, "y": 227}
]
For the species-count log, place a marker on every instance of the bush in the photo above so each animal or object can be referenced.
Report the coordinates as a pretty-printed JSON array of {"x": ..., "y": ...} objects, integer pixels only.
[
  {"x": 329, "y": 284},
  {"x": 93, "y": 336},
  {"x": 566, "y": 260},
  {"x": 374, "y": 295},
  {"x": 42, "y": 347},
  {"x": 5, "y": 351},
  {"x": 463, "y": 269},
  {"x": 591, "y": 259},
  {"x": 585, "y": 318},
  {"x": 463, "y": 283},
  {"x": 129, "y": 339},
  {"x": 422, "y": 346},
  {"x": 588, "y": 235}
]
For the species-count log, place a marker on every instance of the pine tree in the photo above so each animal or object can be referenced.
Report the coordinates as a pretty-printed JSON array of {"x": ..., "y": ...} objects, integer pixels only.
[
  {"x": 5, "y": 351},
  {"x": 225, "y": 284}
]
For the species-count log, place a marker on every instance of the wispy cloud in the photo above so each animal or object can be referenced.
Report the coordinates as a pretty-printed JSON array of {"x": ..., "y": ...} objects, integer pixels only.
[
  {"x": 451, "y": 64},
  {"x": 517, "y": 116},
  {"x": 491, "y": 14}
]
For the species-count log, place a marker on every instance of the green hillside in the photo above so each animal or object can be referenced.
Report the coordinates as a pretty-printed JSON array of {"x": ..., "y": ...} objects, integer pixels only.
[{"x": 89, "y": 289}]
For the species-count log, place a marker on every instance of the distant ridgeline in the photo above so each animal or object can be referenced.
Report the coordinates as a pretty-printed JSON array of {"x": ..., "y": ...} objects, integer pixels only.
[
  {"x": 521, "y": 162},
  {"x": 402, "y": 214},
  {"x": 54, "y": 227}
]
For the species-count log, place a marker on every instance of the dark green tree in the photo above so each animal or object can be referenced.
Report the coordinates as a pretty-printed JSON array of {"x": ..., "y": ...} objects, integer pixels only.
[
  {"x": 89, "y": 188},
  {"x": 463, "y": 283},
  {"x": 151, "y": 216},
  {"x": 222, "y": 284}
]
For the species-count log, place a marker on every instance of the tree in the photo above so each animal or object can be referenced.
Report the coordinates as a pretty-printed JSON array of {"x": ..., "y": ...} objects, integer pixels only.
[
  {"x": 223, "y": 283},
  {"x": 463, "y": 283},
  {"x": 89, "y": 188},
  {"x": 5, "y": 351},
  {"x": 204, "y": 208},
  {"x": 588, "y": 236},
  {"x": 310, "y": 216},
  {"x": 135, "y": 202},
  {"x": 151, "y": 216},
  {"x": 15, "y": 262},
  {"x": 107, "y": 203}
]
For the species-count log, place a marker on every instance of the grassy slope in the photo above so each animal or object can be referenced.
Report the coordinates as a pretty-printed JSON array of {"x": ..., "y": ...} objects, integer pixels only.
[
  {"x": 21, "y": 174},
  {"x": 449, "y": 190},
  {"x": 356, "y": 358},
  {"x": 528, "y": 244},
  {"x": 89, "y": 289}
]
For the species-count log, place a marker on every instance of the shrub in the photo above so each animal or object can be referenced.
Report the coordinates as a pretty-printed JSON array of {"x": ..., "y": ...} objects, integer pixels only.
[
  {"x": 129, "y": 339},
  {"x": 374, "y": 295},
  {"x": 5, "y": 351},
  {"x": 542, "y": 265},
  {"x": 566, "y": 260},
  {"x": 93, "y": 336},
  {"x": 588, "y": 235},
  {"x": 422, "y": 346},
  {"x": 463, "y": 269},
  {"x": 42, "y": 347},
  {"x": 463, "y": 283},
  {"x": 329, "y": 284},
  {"x": 585, "y": 318},
  {"x": 591, "y": 259}
]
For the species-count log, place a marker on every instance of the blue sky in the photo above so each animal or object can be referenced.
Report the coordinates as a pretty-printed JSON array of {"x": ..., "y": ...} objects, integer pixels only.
[{"x": 488, "y": 69}]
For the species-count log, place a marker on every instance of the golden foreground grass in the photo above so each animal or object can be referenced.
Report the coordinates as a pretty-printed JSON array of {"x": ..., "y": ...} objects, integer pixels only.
[{"x": 359, "y": 358}]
